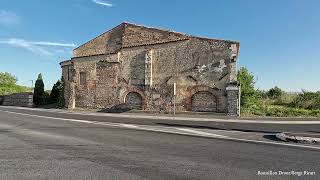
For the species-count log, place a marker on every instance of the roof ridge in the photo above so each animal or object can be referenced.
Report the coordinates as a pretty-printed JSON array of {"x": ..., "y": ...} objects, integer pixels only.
[
  {"x": 157, "y": 28},
  {"x": 100, "y": 35},
  {"x": 125, "y": 23}
]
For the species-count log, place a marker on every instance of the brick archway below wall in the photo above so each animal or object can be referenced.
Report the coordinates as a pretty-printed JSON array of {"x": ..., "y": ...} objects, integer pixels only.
[
  {"x": 203, "y": 101},
  {"x": 133, "y": 93},
  {"x": 206, "y": 98},
  {"x": 134, "y": 100}
]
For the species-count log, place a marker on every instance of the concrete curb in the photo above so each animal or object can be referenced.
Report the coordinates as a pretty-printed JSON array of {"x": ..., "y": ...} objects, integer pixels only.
[{"x": 299, "y": 137}]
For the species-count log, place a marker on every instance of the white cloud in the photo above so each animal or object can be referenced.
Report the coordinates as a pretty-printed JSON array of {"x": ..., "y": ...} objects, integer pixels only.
[
  {"x": 37, "y": 47},
  {"x": 103, "y": 3},
  {"x": 53, "y": 44},
  {"x": 8, "y": 18}
]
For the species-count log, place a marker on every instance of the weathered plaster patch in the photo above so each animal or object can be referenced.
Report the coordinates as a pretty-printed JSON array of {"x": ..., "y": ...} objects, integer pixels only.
[{"x": 218, "y": 69}]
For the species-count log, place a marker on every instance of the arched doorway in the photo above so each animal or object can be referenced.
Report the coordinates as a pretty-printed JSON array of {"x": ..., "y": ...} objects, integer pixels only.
[
  {"x": 134, "y": 100},
  {"x": 204, "y": 101}
]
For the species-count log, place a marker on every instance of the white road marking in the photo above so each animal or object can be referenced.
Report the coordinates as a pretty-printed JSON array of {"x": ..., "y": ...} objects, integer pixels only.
[
  {"x": 133, "y": 116},
  {"x": 129, "y": 126},
  {"x": 200, "y": 132},
  {"x": 168, "y": 131}
]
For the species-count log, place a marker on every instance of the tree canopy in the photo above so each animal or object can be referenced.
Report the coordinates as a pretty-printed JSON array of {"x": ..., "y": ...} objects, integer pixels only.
[
  {"x": 249, "y": 95},
  {"x": 8, "y": 84}
]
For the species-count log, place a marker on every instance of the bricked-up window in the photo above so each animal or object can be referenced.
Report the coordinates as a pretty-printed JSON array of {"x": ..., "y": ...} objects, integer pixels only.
[
  {"x": 83, "y": 78},
  {"x": 69, "y": 73}
]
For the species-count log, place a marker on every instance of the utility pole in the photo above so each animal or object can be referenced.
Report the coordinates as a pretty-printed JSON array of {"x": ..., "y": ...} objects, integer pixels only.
[
  {"x": 239, "y": 100},
  {"x": 31, "y": 85},
  {"x": 174, "y": 98}
]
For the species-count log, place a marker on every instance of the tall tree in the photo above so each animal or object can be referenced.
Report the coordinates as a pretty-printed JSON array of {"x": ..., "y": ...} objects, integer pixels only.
[
  {"x": 61, "y": 101},
  {"x": 38, "y": 91},
  {"x": 249, "y": 94},
  {"x": 55, "y": 92}
]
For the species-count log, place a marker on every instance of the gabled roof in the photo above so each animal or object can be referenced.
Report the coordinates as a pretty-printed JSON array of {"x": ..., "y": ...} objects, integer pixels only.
[{"x": 130, "y": 35}]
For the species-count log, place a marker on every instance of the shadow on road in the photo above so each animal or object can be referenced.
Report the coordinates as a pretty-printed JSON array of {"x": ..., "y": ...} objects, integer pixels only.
[
  {"x": 271, "y": 137},
  {"x": 214, "y": 128},
  {"x": 121, "y": 108}
]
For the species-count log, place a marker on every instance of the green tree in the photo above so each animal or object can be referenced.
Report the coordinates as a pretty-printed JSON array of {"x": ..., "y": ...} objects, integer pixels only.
[
  {"x": 274, "y": 93},
  {"x": 7, "y": 78},
  {"x": 249, "y": 95},
  {"x": 38, "y": 94},
  {"x": 8, "y": 84},
  {"x": 55, "y": 92},
  {"x": 61, "y": 101}
]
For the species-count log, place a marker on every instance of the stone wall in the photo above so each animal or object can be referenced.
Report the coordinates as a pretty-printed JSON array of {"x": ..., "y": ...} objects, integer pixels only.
[
  {"x": 148, "y": 62},
  {"x": 18, "y": 99},
  {"x": 233, "y": 93},
  {"x": 189, "y": 63}
]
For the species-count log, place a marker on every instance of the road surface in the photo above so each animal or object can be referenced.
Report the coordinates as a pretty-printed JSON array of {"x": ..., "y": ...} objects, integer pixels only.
[{"x": 34, "y": 147}]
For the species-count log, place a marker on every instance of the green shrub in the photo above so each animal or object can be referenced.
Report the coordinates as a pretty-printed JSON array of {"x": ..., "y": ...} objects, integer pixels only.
[
  {"x": 275, "y": 102},
  {"x": 307, "y": 100},
  {"x": 45, "y": 98},
  {"x": 61, "y": 101},
  {"x": 279, "y": 111},
  {"x": 285, "y": 99},
  {"x": 274, "y": 93},
  {"x": 55, "y": 92}
]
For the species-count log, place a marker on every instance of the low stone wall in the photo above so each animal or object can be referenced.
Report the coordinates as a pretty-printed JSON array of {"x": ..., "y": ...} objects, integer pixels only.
[
  {"x": 1, "y": 99},
  {"x": 18, "y": 99}
]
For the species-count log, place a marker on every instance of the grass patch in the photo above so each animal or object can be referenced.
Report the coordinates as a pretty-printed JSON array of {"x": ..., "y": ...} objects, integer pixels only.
[{"x": 279, "y": 111}]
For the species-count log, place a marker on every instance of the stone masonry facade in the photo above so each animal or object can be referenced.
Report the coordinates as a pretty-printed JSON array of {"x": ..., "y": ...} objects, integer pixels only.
[{"x": 135, "y": 67}]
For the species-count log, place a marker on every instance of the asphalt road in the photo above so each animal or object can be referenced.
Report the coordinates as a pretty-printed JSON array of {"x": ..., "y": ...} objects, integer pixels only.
[
  {"x": 44, "y": 148},
  {"x": 244, "y": 127}
]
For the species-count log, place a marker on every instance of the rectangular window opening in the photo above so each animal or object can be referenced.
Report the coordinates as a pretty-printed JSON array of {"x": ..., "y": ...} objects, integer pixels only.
[{"x": 83, "y": 78}]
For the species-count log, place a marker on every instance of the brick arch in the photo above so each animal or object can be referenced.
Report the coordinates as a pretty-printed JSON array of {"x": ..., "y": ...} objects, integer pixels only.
[
  {"x": 133, "y": 90},
  {"x": 196, "y": 89}
]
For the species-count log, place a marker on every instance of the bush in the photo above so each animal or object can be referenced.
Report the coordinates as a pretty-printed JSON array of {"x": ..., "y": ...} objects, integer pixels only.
[
  {"x": 275, "y": 102},
  {"x": 307, "y": 100},
  {"x": 61, "y": 101},
  {"x": 285, "y": 99},
  {"x": 45, "y": 98},
  {"x": 274, "y": 93},
  {"x": 256, "y": 110},
  {"x": 55, "y": 92},
  {"x": 279, "y": 111}
]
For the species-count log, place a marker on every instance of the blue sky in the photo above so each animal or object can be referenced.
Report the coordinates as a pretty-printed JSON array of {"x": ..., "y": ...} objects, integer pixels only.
[{"x": 280, "y": 40}]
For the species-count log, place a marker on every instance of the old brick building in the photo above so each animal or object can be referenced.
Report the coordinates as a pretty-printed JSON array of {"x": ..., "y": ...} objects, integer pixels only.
[{"x": 136, "y": 66}]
